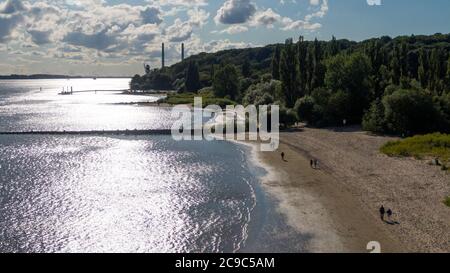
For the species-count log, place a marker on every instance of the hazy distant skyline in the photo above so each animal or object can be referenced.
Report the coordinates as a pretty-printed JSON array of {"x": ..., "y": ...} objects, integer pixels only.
[{"x": 115, "y": 37}]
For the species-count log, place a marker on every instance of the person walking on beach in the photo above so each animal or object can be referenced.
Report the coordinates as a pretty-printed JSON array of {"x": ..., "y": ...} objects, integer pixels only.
[
  {"x": 316, "y": 164},
  {"x": 311, "y": 163},
  {"x": 382, "y": 213},
  {"x": 389, "y": 214},
  {"x": 282, "y": 156}
]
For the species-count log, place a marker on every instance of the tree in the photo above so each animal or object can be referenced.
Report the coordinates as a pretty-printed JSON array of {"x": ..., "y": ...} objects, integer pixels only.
[
  {"x": 304, "y": 108},
  {"x": 226, "y": 82},
  {"x": 396, "y": 66},
  {"x": 437, "y": 70},
  {"x": 317, "y": 66},
  {"x": 288, "y": 73},
  {"x": 333, "y": 47},
  {"x": 192, "y": 83},
  {"x": 339, "y": 108},
  {"x": 136, "y": 82},
  {"x": 302, "y": 51},
  {"x": 403, "y": 58},
  {"x": 448, "y": 75},
  {"x": 423, "y": 68},
  {"x": 350, "y": 73},
  {"x": 276, "y": 63},
  {"x": 212, "y": 73},
  {"x": 374, "y": 120},
  {"x": 261, "y": 93},
  {"x": 410, "y": 112},
  {"x": 287, "y": 117},
  {"x": 246, "y": 69}
]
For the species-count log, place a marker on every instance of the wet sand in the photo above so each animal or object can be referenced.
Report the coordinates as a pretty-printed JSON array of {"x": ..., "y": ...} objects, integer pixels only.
[{"x": 337, "y": 205}]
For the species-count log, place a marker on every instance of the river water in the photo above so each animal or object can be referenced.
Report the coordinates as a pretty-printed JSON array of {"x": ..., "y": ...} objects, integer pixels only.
[{"x": 112, "y": 193}]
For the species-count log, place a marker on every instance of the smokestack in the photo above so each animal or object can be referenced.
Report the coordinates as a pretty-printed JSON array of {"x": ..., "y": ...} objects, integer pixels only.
[
  {"x": 162, "y": 57},
  {"x": 182, "y": 51}
]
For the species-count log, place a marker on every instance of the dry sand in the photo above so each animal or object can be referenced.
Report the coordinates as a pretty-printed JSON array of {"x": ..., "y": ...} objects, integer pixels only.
[{"x": 339, "y": 203}]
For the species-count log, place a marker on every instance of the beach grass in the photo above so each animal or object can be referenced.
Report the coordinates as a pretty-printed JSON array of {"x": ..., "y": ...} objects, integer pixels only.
[
  {"x": 207, "y": 96},
  {"x": 435, "y": 145}
]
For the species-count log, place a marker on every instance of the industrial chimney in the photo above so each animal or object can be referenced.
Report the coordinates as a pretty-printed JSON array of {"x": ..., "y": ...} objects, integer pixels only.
[
  {"x": 162, "y": 57},
  {"x": 182, "y": 51}
]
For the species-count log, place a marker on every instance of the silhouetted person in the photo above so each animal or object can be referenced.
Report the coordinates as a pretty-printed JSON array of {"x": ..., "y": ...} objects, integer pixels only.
[
  {"x": 382, "y": 213},
  {"x": 311, "y": 163},
  {"x": 389, "y": 214},
  {"x": 282, "y": 156}
]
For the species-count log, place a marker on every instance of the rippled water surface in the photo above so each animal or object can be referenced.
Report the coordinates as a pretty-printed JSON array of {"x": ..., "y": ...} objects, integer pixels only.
[
  {"x": 35, "y": 105},
  {"x": 113, "y": 194}
]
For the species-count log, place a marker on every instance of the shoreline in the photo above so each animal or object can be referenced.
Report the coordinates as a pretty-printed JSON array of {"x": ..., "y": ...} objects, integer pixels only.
[
  {"x": 338, "y": 203},
  {"x": 310, "y": 203}
]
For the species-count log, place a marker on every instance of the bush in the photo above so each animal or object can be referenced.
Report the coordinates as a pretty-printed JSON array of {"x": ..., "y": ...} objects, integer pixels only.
[
  {"x": 261, "y": 93},
  {"x": 304, "y": 108},
  {"x": 432, "y": 145},
  {"x": 287, "y": 117},
  {"x": 410, "y": 112},
  {"x": 447, "y": 201}
]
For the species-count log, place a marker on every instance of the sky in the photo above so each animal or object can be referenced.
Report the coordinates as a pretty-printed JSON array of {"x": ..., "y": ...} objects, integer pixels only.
[{"x": 116, "y": 37}]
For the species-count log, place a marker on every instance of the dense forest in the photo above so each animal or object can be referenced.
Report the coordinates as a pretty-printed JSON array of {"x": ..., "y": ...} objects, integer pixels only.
[{"x": 399, "y": 86}]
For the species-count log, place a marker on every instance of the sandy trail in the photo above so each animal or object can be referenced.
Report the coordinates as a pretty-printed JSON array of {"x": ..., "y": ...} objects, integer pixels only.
[{"x": 339, "y": 203}]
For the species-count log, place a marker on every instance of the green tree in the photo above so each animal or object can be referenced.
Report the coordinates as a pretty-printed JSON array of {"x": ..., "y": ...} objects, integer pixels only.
[
  {"x": 276, "y": 63},
  {"x": 396, "y": 66},
  {"x": 246, "y": 69},
  {"x": 437, "y": 70},
  {"x": 374, "y": 120},
  {"x": 226, "y": 82},
  {"x": 192, "y": 83},
  {"x": 288, "y": 73},
  {"x": 403, "y": 58},
  {"x": 318, "y": 72},
  {"x": 287, "y": 117},
  {"x": 333, "y": 47},
  {"x": 350, "y": 73},
  {"x": 339, "y": 107},
  {"x": 410, "y": 112},
  {"x": 136, "y": 82},
  {"x": 304, "y": 108},
  {"x": 302, "y": 51},
  {"x": 448, "y": 75},
  {"x": 423, "y": 68}
]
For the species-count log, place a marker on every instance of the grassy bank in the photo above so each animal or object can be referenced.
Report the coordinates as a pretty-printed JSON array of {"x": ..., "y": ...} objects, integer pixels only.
[
  {"x": 207, "y": 96},
  {"x": 432, "y": 146}
]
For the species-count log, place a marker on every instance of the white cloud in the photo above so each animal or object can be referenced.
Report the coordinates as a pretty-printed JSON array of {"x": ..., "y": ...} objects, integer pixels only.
[
  {"x": 235, "y": 12},
  {"x": 233, "y": 29},
  {"x": 94, "y": 30}
]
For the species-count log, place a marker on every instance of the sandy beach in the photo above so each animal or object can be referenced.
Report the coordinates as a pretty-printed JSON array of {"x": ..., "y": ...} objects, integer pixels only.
[{"x": 338, "y": 203}]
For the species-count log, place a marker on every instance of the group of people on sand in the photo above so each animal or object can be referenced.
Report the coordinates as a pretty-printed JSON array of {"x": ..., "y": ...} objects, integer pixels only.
[
  {"x": 314, "y": 163},
  {"x": 384, "y": 212}
]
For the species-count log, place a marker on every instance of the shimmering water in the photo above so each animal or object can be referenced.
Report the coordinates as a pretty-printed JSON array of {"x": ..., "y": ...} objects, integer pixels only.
[
  {"x": 23, "y": 106},
  {"x": 114, "y": 194}
]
